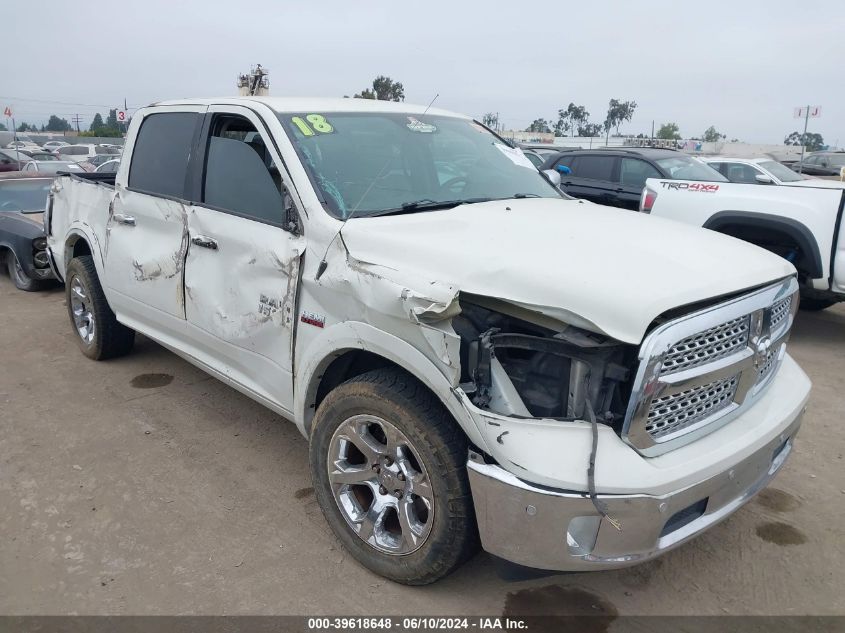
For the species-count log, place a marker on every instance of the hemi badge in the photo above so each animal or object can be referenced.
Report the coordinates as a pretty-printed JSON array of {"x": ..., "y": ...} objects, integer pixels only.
[{"x": 313, "y": 319}]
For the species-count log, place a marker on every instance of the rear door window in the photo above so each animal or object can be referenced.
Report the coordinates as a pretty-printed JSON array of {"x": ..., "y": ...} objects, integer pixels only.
[
  {"x": 594, "y": 167},
  {"x": 161, "y": 153}
]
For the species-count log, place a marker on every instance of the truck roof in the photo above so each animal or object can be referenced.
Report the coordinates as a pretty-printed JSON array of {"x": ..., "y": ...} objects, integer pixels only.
[{"x": 317, "y": 104}]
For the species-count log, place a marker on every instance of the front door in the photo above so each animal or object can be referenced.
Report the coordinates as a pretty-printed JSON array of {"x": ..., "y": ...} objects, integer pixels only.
[
  {"x": 242, "y": 268},
  {"x": 146, "y": 234}
]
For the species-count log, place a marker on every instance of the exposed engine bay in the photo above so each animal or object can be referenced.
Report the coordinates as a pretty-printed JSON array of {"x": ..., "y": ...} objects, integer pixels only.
[{"x": 519, "y": 368}]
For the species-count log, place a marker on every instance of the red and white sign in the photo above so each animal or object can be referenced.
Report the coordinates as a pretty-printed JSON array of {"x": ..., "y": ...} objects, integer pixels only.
[
  {"x": 121, "y": 116},
  {"x": 7, "y": 112},
  {"x": 814, "y": 112}
]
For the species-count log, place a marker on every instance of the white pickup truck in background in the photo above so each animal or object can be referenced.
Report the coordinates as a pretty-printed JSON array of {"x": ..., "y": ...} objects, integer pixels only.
[
  {"x": 801, "y": 224},
  {"x": 471, "y": 356}
]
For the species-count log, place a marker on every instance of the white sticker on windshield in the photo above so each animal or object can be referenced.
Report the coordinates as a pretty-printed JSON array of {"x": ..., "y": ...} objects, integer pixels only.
[
  {"x": 515, "y": 155},
  {"x": 415, "y": 125}
]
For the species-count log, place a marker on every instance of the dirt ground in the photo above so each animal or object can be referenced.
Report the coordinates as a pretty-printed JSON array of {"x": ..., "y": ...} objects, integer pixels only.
[{"x": 142, "y": 486}]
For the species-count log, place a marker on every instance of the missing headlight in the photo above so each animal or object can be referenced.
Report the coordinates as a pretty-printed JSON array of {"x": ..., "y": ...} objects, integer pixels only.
[{"x": 522, "y": 369}]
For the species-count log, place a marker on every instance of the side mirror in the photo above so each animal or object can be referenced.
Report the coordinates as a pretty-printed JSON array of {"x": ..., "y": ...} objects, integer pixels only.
[
  {"x": 763, "y": 179},
  {"x": 552, "y": 176},
  {"x": 563, "y": 169},
  {"x": 6, "y": 161}
]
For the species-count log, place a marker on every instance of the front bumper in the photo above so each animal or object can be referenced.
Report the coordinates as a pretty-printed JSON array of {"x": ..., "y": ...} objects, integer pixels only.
[{"x": 552, "y": 529}]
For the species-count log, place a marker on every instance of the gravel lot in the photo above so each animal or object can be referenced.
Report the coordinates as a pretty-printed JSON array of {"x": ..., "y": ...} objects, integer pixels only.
[{"x": 142, "y": 486}]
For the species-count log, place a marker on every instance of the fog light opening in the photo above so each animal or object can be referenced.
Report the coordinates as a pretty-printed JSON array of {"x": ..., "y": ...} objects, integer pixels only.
[{"x": 582, "y": 534}]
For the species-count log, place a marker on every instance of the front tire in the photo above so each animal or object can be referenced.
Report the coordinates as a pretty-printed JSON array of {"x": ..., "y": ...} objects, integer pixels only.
[
  {"x": 19, "y": 277},
  {"x": 99, "y": 334},
  {"x": 388, "y": 465}
]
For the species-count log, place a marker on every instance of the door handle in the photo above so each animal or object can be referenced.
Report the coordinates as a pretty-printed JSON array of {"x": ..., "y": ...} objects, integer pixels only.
[
  {"x": 127, "y": 220},
  {"x": 204, "y": 242}
]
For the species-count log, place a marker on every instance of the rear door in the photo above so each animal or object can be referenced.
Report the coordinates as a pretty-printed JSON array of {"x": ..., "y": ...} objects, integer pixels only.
[
  {"x": 146, "y": 234},
  {"x": 242, "y": 268},
  {"x": 633, "y": 172},
  {"x": 592, "y": 178}
]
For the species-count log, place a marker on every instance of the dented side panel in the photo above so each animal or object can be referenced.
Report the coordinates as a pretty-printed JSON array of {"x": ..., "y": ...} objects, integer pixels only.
[
  {"x": 144, "y": 254},
  {"x": 241, "y": 299}
]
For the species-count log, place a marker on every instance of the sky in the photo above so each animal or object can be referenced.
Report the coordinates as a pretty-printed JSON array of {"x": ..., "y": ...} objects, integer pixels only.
[{"x": 740, "y": 66}]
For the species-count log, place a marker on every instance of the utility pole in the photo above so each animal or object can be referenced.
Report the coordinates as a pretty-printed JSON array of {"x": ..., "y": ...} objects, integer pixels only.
[
  {"x": 804, "y": 140},
  {"x": 76, "y": 119},
  {"x": 15, "y": 136}
]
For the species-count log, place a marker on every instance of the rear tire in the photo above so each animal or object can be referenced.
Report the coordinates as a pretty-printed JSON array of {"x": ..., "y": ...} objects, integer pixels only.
[
  {"x": 19, "y": 277},
  {"x": 99, "y": 334},
  {"x": 408, "y": 515}
]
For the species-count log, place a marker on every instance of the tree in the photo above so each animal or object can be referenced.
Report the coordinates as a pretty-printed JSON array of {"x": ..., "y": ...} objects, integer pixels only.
[
  {"x": 812, "y": 141},
  {"x": 491, "y": 120},
  {"x": 669, "y": 132},
  {"x": 712, "y": 135},
  {"x": 97, "y": 123},
  {"x": 617, "y": 113},
  {"x": 111, "y": 120},
  {"x": 570, "y": 119},
  {"x": 539, "y": 125},
  {"x": 589, "y": 129},
  {"x": 384, "y": 89},
  {"x": 26, "y": 127},
  {"x": 55, "y": 124}
]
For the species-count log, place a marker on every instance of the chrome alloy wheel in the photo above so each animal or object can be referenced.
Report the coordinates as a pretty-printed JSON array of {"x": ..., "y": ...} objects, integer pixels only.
[
  {"x": 380, "y": 485},
  {"x": 83, "y": 318}
]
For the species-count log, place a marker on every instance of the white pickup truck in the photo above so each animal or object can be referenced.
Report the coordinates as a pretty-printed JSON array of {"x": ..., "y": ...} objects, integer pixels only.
[
  {"x": 801, "y": 224},
  {"x": 471, "y": 356}
]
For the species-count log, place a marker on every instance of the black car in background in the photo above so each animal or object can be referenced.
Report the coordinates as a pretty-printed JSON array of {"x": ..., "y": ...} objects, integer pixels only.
[
  {"x": 23, "y": 244},
  {"x": 820, "y": 164},
  {"x": 616, "y": 176}
]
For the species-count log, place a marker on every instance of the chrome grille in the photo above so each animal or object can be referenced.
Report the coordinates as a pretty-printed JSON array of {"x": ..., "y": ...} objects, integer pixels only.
[
  {"x": 779, "y": 312},
  {"x": 767, "y": 366},
  {"x": 699, "y": 371},
  {"x": 705, "y": 347},
  {"x": 678, "y": 411}
]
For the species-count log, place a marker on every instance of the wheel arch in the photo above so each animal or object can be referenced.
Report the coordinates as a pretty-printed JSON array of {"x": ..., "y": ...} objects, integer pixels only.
[
  {"x": 811, "y": 261},
  {"x": 76, "y": 245},
  {"x": 352, "y": 348}
]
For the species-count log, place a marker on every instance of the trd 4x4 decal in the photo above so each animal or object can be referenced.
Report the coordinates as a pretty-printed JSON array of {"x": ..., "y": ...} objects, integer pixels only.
[{"x": 690, "y": 186}]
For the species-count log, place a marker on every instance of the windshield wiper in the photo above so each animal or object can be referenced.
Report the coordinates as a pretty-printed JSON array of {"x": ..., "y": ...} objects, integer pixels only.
[
  {"x": 426, "y": 204},
  {"x": 526, "y": 195}
]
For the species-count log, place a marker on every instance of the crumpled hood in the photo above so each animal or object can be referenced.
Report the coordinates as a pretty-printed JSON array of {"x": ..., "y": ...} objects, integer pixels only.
[{"x": 605, "y": 269}]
